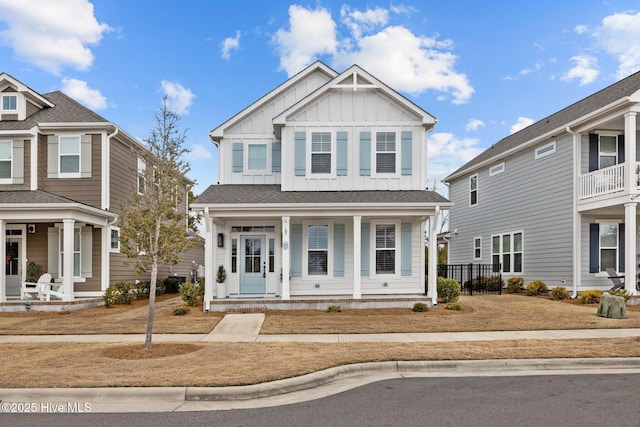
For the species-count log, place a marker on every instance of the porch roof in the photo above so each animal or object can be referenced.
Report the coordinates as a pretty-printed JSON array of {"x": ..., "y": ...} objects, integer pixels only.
[{"x": 271, "y": 194}]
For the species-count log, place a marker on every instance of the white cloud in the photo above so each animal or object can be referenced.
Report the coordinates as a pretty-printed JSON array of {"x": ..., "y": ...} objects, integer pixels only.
[
  {"x": 198, "y": 152},
  {"x": 619, "y": 35},
  {"x": 229, "y": 44},
  {"x": 585, "y": 70},
  {"x": 53, "y": 34},
  {"x": 580, "y": 29},
  {"x": 81, "y": 92},
  {"x": 446, "y": 153},
  {"x": 536, "y": 67},
  {"x": 403, "y": 9},
  {"x": 311, "y": 33},
  {"x": 406, "y": 61},
  {"x": 179, "y": 98},
  {"x": 474, "y": 124},
  {"x": 522, "y": 123}
]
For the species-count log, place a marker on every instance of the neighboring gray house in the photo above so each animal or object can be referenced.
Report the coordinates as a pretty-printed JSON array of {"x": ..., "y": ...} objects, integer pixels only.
[
  {"x": 322, "y": 192},
  {"x": 556, "y": 201}
]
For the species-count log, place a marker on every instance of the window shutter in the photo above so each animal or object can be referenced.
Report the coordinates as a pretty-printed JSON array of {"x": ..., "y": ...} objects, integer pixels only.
[
  {"x": 406, "y": 155},
  {"x": 620, "y": 148},
  {"x": 338, "y": 250},
  {"x": 342, "y": 156},
  {"x": 296, "y": 250},
  {"x": 594, "y": 248},
  {"x": 593, "y": 152},
  {"x": 85, "y": 156},
  {"x": 300, "y": 153},
  {"x": 365, "y": 154},
  {"x": 364, "y": 249},
  {"x": 237, "y": 156},
  {"x": 405, "y": 248},
  {"x": 52, "y": 156},
  {"x": 86, "y": 258},
  {"x": 276, "y": 157},
  {"x": 621, "y": 248},
  {"x": 53, "y": 250},
  {"x": 18, "y": 162}
]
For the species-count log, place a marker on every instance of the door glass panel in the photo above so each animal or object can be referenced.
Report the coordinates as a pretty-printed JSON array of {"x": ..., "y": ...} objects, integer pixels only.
[
  {"x": 252, "y": 251},
  {"x": 12, "y": 261}
]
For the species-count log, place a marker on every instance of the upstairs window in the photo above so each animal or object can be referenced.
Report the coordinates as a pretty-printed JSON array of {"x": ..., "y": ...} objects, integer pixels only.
[
  {"x": 545, "y": 150},
  {"x": 385, "y": 152},
  {"x": 6, "y": 151},
  {"x": 9, "y": 103},
  {"x": 142, "y": 167},
  {"x": 607, "y": 151},
  {"x": 321, "y": 152},
  {"x": 473, "y": 190},
  {"x": 257, "y": 157},
  {"x": 69, "y": 155}
]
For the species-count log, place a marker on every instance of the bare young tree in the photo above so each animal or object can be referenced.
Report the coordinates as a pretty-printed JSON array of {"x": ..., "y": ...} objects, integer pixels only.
[{"x": 152, "y": 229}]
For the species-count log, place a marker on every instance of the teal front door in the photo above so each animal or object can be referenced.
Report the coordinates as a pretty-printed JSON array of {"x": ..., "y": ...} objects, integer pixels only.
[{"x": 253, "y": 265}]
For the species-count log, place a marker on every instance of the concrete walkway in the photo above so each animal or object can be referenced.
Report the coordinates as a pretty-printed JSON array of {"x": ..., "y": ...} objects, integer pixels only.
[{"x": 246, "y": 328}]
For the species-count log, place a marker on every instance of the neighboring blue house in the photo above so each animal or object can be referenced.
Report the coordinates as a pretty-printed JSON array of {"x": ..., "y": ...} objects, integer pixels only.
[{"x": 556, "y": 201}]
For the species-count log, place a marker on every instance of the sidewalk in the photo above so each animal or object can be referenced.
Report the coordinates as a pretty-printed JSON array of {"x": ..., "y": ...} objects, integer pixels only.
[{"x": 246, "y": 328}]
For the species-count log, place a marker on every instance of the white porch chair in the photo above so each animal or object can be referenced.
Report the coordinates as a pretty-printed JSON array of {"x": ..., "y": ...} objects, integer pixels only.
[
  {"x": 53, "y": 290},
  {"x": 31, "y": 290}
]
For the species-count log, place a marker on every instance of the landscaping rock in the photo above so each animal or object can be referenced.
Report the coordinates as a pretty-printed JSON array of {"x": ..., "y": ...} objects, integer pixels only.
[{"x": 612, "y": 306}]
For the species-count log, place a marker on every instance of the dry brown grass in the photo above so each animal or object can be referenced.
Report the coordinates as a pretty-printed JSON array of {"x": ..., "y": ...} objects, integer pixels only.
[
  {"x": 222, "y": 364},
  {"x": 118, "y": 319},
  {"x": 479, "y": 313}
]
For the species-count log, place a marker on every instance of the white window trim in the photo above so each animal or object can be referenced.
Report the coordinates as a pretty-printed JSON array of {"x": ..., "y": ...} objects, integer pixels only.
[
  {"x": 496, "y": 169},
  {"x": 372, "y": 248},
  {"x": 113, "y": 228},
  {"x": 305, "y": 250},
  {"x": 10, "y": 111},
  {"x": 142, "y": 168},
  {"x": 617, "y": 222},
  {"x": 10, "y": 179},
  {"x": 479, "y": 247},
  {"x": 612, "y": 134},
  {"x": 476, "y": 190},
  {"x": 245, "y": 154},
  {"x": 545, "y": 150},
  {"x": 374, "y": 152},
  {"x": 333, "y": 154},
  {"x": 77, "y": 226},
  {"x": 511, "y": 252},
  {"x": 70, "y": 174}
]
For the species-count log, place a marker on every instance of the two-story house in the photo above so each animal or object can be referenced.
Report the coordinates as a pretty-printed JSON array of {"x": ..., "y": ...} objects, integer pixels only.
[
  {"x": 64, "y": 174},
  {"x": 556, "y": 201},
  {"x": 321, "y": 192}
]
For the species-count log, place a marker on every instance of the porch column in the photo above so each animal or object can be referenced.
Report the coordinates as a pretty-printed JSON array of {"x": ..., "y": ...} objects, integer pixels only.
[
  {"x": 209, "y": 278},
  {"x": 221, "y": 288},
  {"x": 630, "y": 247},
  {"x": 67, "y": 265},
  {"x": 433, "y": 256},
  {"x": 105, "y": 256},
  {"x": 3, "y": 255},
  {"x": 357, "y": 257},
  {"x": 630, "y": 151},
  {"x": 286, "y": 241}
]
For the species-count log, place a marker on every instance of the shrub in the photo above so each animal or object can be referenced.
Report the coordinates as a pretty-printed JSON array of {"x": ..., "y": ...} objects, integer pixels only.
[
  {"x": 334, "y": 309},
  {"x": 591, "y": 296},
  {"x": 620, "y": 293},
  {"x": 420, "y": 307},
  {"x": 448, "y": 289},
  {"x": 537, "y": 287},
  {"x": 200, "y": 280},
  {"x": 181, "y": 311},
  {"x": 221, "y": 275},
  {"x": 559, "y": 293},
  {"x": 515, "y": 285},
  {"x": 141, "y": 289},
  {"x": 172, "y": 284},
  {"x": 191, "y": 293},
  {"x": 120, "y": 293},
  {"x": 455, "y": 306}
]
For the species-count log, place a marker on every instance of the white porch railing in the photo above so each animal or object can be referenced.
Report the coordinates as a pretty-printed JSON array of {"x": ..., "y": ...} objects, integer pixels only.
[{"x": 603, "y": 181}]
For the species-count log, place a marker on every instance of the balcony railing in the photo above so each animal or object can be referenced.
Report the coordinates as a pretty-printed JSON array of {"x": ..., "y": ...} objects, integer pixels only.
[{"x": 603, "y": 181}]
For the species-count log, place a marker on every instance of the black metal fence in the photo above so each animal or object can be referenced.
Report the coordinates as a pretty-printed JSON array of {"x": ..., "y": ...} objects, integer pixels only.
[{"x": 475, "y": 279}]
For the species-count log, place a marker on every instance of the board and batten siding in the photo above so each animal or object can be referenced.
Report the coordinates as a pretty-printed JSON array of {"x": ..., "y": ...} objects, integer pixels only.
[{"x": 531, "y": 196}]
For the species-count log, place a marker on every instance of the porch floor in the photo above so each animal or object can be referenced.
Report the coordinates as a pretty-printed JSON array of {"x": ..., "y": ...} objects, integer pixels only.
[{"x": 260, "y": 305}]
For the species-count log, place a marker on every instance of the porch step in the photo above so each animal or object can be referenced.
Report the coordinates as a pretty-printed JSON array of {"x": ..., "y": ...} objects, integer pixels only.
[{"x": 254, "y": 309}]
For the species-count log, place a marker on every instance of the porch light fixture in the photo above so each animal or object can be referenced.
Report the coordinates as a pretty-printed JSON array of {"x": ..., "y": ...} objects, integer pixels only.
[{"x": 220, "y": 240}]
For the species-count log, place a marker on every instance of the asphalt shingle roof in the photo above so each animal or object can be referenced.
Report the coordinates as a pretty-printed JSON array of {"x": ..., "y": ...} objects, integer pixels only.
[
  {"x": 31, "y": 197},
  {"x": 614, "y": 92},
  {"x": 272, "y": 194}
]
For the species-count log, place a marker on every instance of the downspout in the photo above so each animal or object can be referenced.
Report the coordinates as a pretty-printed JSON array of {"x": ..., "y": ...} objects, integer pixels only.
[{"x": 576, "y": 233}]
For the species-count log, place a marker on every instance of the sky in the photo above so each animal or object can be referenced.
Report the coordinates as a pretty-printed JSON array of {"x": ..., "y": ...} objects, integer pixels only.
[{"x": 483, "y": 69}]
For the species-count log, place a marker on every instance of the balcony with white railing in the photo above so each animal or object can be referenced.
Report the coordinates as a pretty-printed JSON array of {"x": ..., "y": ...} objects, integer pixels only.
[{"x": 603, "y": 182}]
